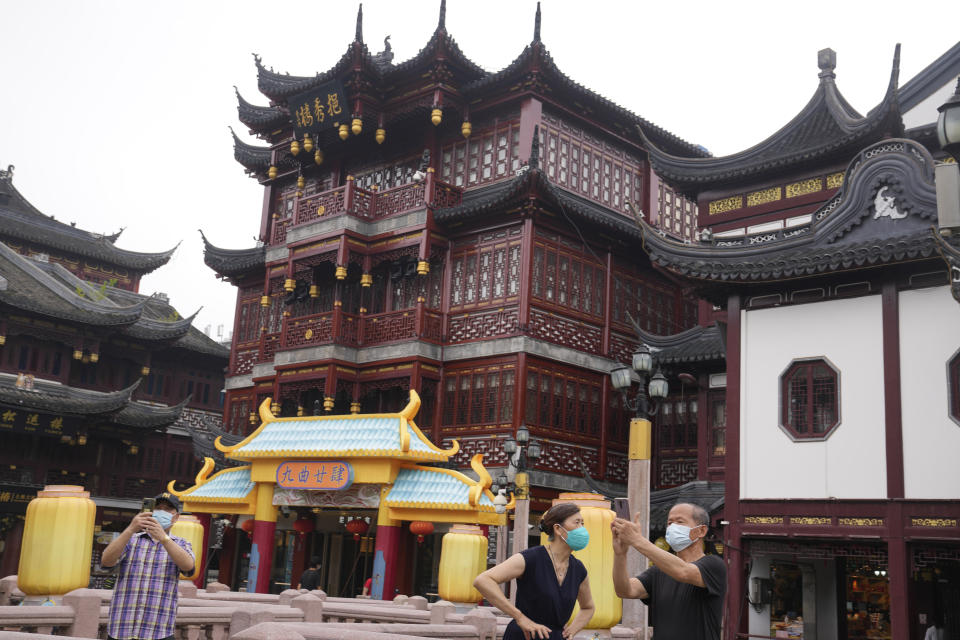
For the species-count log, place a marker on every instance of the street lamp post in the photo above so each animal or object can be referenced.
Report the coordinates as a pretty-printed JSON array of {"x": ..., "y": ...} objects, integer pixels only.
[
  {"x": 500, "y": 506},
  {"x": 520, "y": 451},
  {"x": 638, "y": 472}
]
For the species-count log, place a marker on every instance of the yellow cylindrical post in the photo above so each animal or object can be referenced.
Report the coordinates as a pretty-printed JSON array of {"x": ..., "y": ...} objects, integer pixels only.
[
  {"x": 57, "y": 541},
  {"x": 463, "y": 556},
  {"x": 597, "y": 557},
  {"x": 190, "y": 529}
]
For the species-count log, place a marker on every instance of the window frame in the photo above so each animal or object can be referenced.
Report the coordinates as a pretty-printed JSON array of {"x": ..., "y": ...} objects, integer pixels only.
[
  {"x": 783, "y": 382},
  {"x": 953, "y": 387}
]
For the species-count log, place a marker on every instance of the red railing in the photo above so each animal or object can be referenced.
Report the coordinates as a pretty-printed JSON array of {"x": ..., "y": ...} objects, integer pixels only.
[
  {"x": 270, "y": 343},
  {"x": 308, "y": 330},
  {"x": 356, "y": 201},
  {"x": 244, "y": 356},
  {"x": 389, "y": 327}
]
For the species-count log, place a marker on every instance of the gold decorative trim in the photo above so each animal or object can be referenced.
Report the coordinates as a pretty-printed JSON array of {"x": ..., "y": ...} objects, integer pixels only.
[
  {"x": 764, "y": 196},
  {"x": 804, "y": 187},
  {"x": 835, "y": 180},
  {"x": 727, "y": 204},
  {"x": 933, "y": 522},
  {"x": 860, "y": 522},
  {"x": 810, "y": 520},
  {"x": 763, "y": 519}
]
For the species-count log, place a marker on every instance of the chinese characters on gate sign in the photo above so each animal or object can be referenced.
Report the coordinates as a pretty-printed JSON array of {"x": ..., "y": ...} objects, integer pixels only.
[
  {"x": 327, "y": 475},
  {"x": 318, "y": 109}
]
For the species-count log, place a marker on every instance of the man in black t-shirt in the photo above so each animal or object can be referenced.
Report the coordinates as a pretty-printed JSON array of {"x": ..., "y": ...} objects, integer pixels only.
[
  {"x": 684, "y": 591},
  {"x": 311, "y": 577}
]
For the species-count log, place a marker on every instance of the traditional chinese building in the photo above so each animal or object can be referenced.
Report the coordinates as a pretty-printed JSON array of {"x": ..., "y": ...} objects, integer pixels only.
[
  {"x": 821, "y": 249},
  {"x": 100, "y": 386},
  {"x": 430, "y": 225}
]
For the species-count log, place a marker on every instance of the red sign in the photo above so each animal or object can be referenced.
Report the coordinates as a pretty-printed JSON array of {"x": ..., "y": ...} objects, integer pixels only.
[{"x": 327, "y": 475}]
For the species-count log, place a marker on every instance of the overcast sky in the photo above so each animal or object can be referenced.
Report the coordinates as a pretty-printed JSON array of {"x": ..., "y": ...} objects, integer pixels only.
[{"x": 116, "y": 113}]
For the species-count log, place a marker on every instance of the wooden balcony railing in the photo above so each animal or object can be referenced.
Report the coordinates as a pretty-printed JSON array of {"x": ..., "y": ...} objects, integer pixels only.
[{"x": 371, "y": 205}]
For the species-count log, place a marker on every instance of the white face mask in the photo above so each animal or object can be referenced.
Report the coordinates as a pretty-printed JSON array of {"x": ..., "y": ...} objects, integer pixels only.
[{"x": 678, "y": 536}]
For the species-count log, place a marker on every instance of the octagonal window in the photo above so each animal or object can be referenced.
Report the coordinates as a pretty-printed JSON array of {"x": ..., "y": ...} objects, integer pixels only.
[
  {"x": 953, "y": 386},
  {"x": 810, "y": 399}
]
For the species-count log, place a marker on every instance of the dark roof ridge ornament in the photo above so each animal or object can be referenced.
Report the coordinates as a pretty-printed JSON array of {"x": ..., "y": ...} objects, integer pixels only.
[
  {"x": 358, "y": 37},
  {"x": 827, "y": 61},
  {"x": 442, "y": 22},
  {"x": 534, "y": 161},
  {"x": 7, "y": 174},
  {"x": 536, "y": 25}
]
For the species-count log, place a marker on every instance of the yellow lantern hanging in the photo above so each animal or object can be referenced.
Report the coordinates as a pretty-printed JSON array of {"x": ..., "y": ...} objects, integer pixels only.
[
  {"x": 423, "y": 267},
  {"x": 597, "y": 557},
  {"x": 307, "y": 143},
  {"x": 301, "y": 182},
  {"x": 366, "y": 280},
  {"x": 57, "y": 541},
  {"x": 264, "y": 301},
  {"x": 340, "y": 273},
  {"x": 356, "y": 126},
  {"x": 436, "y": 116},
  {"x": 189, "y": 528},
  {"x": 294, "y": 147},
  {"x": 272, "y": 172},
  {"x": 466, "y": 128},
  {"x": 463, "y": 556},
  {"x": 289, "y": 285},
  {"x": 314, "y": 291},
  {"x": 328, "y": 403},
  {"x": 318, "y": 157},
  {"x": 344, "y": 132},
  {"x": 380, "y": 135}
]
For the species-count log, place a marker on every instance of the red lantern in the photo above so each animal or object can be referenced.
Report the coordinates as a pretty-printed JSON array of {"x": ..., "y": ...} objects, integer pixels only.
[
  {"x": 358, "y": 527},
  {"x": 421, "y": 529},
  {"x": 303, "y": 526},
  {"x": 247, "y": 526}
]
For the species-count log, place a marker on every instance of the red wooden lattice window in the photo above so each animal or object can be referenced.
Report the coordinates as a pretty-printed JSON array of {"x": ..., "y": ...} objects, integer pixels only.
[
  {"x": 567, "y": 280},
  {"x": 562, "y": 402},
  {"x": 650, "y": 305},
  {"x": 488, "y": 155},
  {"x": 810, "y": 399},
  {"x": 678, "y": 216},
  {"x": 718, "y": 424},
  {"x": 677, "y": 423},
  {"x": 485, "y": 275},
  {"x": 579, "y": 162},
  {"x": 479, "y": 395},
  {"x": 248, "y": 315}
]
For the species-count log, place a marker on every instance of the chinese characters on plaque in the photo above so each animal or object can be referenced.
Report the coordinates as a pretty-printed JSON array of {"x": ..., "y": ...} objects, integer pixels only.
[
  {"x": 327, "y": 475},
  {"x": 28, "y": 421},
  {"x": 318, "y": 109}
]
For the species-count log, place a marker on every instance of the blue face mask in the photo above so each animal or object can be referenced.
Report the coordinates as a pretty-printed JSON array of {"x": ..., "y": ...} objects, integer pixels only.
[
  {"x": 164, "y": 518},
  {"x": 577, "y": 538},
  {"x": 678, "y": 537}
]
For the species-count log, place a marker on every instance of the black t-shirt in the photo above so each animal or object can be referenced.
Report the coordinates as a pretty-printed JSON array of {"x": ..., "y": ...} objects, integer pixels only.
[
  {"x": 680, "y": 611},
  {"x": 310, "y": 579}
]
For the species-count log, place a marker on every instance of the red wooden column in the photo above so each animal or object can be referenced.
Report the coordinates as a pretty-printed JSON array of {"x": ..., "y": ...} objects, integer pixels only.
[
  {"x": 261, "y": 551},
  {"x": 201, "y": 578},
  {"x": 386, "y": 553},
  {"x": 736, "y": 575},
  {"x": 227, "y": 552}
]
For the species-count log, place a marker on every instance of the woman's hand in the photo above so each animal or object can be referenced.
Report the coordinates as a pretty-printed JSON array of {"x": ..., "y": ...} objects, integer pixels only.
[
  {"x": 571, "y": 629},
  {"x": 532, "y": 630}
]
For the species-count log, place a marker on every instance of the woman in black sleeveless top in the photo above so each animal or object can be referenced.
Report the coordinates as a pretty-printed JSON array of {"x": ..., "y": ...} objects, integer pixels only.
[{"x": 549, "y": 581}]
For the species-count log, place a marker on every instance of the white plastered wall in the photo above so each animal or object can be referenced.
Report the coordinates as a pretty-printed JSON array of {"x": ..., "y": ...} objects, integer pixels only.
[
  {"x": 929, "y": 336},
  {"x": 850, "y": 463}
]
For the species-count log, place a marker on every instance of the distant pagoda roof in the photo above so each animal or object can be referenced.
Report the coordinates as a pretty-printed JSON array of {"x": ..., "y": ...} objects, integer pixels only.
[
  {"x": 696, "y": 344},
  {"x": 260, "y": 118},
  {"x": 50, "y": 290},
  {"x": 827, "y": 129},
  {"x": 21, "y": 221},
  {"x": 883, "y": 213},
  {"x": 115, "y": 407},
  {"x": 232, "y": 262}
]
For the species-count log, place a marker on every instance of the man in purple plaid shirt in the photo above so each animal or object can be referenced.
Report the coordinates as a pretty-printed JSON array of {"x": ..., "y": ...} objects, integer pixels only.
[{"x": 144, "y": 604}]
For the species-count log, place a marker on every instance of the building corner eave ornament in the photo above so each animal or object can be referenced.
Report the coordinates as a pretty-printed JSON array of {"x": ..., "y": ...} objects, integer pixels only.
[{"x": 951, "y": 255}]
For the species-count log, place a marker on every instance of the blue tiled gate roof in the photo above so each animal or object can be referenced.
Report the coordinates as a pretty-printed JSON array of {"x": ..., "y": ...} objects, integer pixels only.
[
  {"x": 425, "y": 487},
  {"x": 228, "y": 485}
]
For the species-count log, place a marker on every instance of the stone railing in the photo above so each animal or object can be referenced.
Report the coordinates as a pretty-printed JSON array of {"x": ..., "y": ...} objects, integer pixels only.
[{"x": 219, "y": 614}]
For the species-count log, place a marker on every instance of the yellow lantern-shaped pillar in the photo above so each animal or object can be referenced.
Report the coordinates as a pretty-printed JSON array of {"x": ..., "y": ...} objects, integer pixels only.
[
  {"x": 190, "y": 529},
  {"x": 597, "y": 557},
  {"x": 57, "y": 541},
  {"x": 463, "y": 556}
]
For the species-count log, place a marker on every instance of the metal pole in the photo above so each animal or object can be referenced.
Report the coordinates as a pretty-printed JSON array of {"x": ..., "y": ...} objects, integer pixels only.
[
  {"x": 638, "y": 495},
  {"x": 521, "y": 520}
]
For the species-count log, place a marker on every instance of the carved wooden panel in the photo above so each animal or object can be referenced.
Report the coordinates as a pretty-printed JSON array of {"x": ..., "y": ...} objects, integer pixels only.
[
  {"x": 479, "y": 396},
  {"x": 399, "y": 199},
  {"x": 388, "y": 327},
  {"x": 616, "y": 467},
  {"x": 270, "y": 343},
  {"x": 319, "y": 206},
  {"x": 567, "y": 332},
  {"x": 676, "y": 471},
  {"x": 483, "y": 324},
  {"x": 565, "y": 458},
  {"x": 308, "y": 330},
  {"x": 244, "y": 357},
  {"x": 490, "y": 447}
]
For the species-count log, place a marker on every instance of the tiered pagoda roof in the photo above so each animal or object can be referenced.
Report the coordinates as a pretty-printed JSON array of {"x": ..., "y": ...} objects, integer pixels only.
[
  {"x": 883, "y": 214},
  {"x": 696, "y": 344},
  {"x": 826, "y": 130},
  {"x": 21, "y": 221},
  {"x": 116, "y": 407},
  {"x": 393, "y": 91},
  {"x": 232, "y": 262}
]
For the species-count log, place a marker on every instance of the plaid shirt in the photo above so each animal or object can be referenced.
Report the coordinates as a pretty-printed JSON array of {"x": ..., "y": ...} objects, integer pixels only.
[{"x": 144, "y": 604}]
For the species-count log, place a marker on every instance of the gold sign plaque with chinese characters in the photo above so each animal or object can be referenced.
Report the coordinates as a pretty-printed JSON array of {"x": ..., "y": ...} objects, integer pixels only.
[
  {"x": 810, "y": 520},
  {"x": 933, "y": 522},
  {"x": 860, "y": 522},
  {"x": 318, "y": 109},
  {"x": 763, "y": 519},
  {"x": 727, "y": 204}
]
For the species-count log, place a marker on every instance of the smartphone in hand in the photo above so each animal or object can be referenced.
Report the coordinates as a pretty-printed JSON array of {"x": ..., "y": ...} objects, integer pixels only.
[
  {"x": 621, "y": 506},
  {"x": 149, "y": 504}
]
